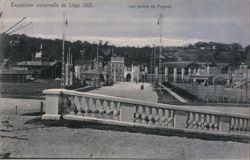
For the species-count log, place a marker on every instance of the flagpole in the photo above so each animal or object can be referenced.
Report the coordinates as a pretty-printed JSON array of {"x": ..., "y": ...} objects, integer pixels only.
[
  {"x": 63, "y": 61},
  {"x": 160, "y": 47}
]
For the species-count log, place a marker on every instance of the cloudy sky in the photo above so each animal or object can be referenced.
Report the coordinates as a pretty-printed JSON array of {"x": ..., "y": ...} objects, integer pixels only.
[{"x": 184, "y": 21}]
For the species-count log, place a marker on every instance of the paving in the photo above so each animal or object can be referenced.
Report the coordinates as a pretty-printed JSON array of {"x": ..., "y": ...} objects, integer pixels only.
[{"x": 130, "y": 90}]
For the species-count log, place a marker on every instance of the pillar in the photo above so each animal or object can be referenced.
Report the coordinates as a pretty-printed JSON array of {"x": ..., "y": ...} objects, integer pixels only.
[
  {"x": 224, "y": 125},
  {"x": 114, "y": 74},
  {"x": 146, "y": 69},
  {"x": 67, "y": 74},
  {"x": 182, "y": 73},
  {"x": 194, "y": 71},
  {"x": 180, "y": 119},
  {"x": 70, "y": 78},
  {"x": 208, "y": 69},
  {"x": 52, "y": 107},
  {"x": 156, "y": 72},
  {"x": 189, "y": 71},
  {"x": 166, "y": 74},
  {"x": 175, "y": 74}
]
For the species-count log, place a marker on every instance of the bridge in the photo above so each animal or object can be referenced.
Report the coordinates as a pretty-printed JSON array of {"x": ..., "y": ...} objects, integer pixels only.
[{"x": 111, "y": 110}]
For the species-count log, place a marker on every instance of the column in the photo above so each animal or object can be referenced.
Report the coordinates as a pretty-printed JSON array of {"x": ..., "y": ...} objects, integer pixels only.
[
  {"x": 146, "y": 69},
  {"x": 189, "y": 71},
  {"x": 156, "y": 72},
  {"x": 194, "y": 71},
  {"x": 166, "y": 74},
  {"x": 182, "y": 73},
  {"x": 208, "y": 69},
  {"x": 175, "y": 74},
  {"x": 114, "y": 74},
  {"x": 67, "y": 75}
]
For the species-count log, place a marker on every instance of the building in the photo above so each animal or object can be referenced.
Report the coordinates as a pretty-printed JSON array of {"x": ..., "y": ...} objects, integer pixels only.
[
  {"x": 17, "y": 76},
  {"x": 41, "y": 67},
  {"x": 117, "y": 69}
]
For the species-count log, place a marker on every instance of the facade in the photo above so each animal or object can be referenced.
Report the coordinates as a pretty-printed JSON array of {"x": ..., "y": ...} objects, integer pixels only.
[{"x": 117, "y": 69}]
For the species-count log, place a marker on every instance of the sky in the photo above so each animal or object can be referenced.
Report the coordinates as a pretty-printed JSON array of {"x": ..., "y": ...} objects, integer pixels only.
[{"x": 119, "y": 23}]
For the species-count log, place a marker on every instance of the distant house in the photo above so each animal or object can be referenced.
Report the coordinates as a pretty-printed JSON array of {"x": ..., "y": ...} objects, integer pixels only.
[
  {"x": 186, "y": 65},
  {"x": 41, "y": 67}
]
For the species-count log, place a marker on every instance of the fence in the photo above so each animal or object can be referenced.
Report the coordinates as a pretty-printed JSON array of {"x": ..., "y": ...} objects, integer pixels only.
[{"x": 73, "y": 105}]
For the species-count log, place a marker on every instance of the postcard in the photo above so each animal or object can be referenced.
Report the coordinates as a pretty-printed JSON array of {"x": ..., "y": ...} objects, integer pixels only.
[{"x": 127, "y": 79}]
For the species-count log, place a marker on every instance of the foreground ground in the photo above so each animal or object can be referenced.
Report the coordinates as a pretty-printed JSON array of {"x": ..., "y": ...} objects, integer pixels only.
[{"x": 31, "y": 140}]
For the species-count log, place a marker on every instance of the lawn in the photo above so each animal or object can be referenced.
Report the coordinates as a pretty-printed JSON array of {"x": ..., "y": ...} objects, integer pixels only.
[{"x": 27, "y": 90}]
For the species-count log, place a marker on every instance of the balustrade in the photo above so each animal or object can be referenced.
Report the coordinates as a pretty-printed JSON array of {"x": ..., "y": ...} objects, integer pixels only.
[
  {"x": 154, "y": 116},
  {"x": 239, "y": 125},
  {"x": 73, "y": 104},
  {"x": 91, "y": 107},
  {"x": 202, "y": 121}
]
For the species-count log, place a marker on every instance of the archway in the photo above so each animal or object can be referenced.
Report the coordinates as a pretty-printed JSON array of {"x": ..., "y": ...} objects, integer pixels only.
[{"x": 128, "y": 77}]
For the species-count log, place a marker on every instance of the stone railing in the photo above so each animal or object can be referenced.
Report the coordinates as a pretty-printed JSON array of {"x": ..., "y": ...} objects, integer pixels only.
[{"x": 73, "y": 105}]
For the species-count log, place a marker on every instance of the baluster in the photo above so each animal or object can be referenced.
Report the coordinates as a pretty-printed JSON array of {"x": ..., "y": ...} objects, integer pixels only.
[
  {"x": 216, "y": 123},
  {"x": 102, "y": 110},
  {"x": 78, "y": 105},
  {"x": 98, "y": 107},
  {"x": 163, "y": 119},
  {"x": 236, "y": 124},
  {"x": 243, "y": 125},
  {"x": 150, "y": 117},
  {"x": 201, "y": 122},
  {"x": 137, "y": 115},
  {"x": 65, "y": 104},
  {"x": 211, "y": 122},
  {"x": 232, "y": 124},
  {"x": 206, "y": 123},
  {"x": 240, "y": 125},
  {"x": 94, "y": 109},
  {"x": 190, "y": 120},
  {"x": 160, "y": 114},
  {"x": 112, "y": 107},
  {"x": 86, "y": 108},
  {"x": 171, "y": 118},
  {"x": 157, "y": 118},
  {"x": 108, "y": 110},
  {"x": 116, "y": 110},
  {"x": 196, "y": 120},
  {"x": 248, "y": 125},
  {"x": 144, "y": 116},
  {"x": 72, "y": 105}
]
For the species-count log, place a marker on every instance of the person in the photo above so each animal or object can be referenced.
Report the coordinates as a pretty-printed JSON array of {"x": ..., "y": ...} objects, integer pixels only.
[{"x": 142, "y": 87}]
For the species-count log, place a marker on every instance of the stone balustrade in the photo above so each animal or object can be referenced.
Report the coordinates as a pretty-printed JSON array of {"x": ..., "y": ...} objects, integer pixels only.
[{"x": 73, "y": 105}]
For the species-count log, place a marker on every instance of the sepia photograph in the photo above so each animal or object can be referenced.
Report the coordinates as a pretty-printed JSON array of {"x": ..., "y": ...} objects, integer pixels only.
[{"x": 125, "y": 79}]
